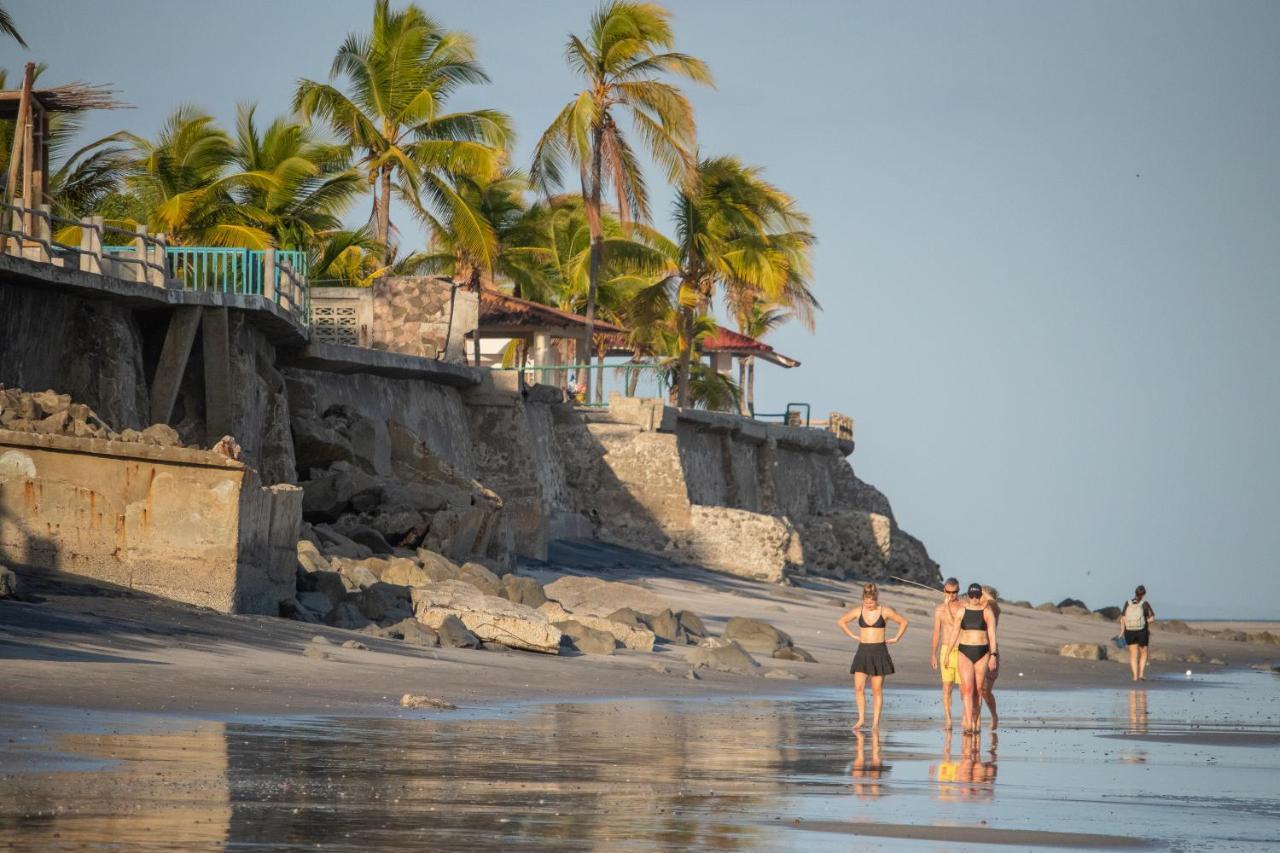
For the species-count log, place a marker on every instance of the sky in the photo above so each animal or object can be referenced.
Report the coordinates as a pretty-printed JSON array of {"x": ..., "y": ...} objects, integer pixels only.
[{"x": 1049, "y": 237}]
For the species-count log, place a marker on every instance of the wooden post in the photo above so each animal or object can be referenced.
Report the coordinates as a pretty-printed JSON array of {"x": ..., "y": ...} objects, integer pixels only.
[
  {"x": 27, "y": 129},
  {"x": 11, "y": 188}
]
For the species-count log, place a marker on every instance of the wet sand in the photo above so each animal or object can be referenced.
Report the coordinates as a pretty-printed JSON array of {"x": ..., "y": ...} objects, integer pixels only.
[{"x": 643, "y": 773}]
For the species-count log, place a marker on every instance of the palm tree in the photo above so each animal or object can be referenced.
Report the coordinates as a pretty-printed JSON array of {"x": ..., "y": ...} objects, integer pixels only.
[
  {"x": 399, "y": 79},
  {"x": 738, "y": 234},
  {"x": 311, "y": 185},
  {"x": 759, "y": 321},
  {"x": 626, "y": 50},
  {"x": 185, "y": 184},
  {"x": 7, "y": 27}
]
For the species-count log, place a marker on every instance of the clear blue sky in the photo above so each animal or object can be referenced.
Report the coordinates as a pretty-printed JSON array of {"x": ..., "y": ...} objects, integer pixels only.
[{"x": 1049, "y": 243}]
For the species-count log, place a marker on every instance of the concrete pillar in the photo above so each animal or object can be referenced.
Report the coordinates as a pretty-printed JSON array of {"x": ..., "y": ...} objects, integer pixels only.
[
  {"x": 91, "y": 244},
  {"x": 160, "y": 274},
  {"x": 178, "y": 341},
  {"x": 216, "y": 340},
  {"x": 269, "y": 275},
  {"x": 140, "y": 253},
  {"x": 722, "y": 362}
]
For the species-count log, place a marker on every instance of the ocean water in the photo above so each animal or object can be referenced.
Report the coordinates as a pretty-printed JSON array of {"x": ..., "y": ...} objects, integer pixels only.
[{"x": 1183, "y": 764}]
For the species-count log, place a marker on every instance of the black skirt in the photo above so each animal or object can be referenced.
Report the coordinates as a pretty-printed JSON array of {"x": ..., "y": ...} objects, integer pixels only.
[{"x": 873, "y": 659}]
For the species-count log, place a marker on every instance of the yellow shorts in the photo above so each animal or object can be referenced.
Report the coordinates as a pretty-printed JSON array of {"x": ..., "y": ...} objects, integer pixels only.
[{"x": 947, "y": 665}]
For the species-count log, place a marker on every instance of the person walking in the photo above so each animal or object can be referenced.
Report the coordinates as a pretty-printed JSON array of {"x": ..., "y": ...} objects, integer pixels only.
[
  {"x": 871, "y": 663},
  {"x": 1136, "y": 617},
  {"x": 993, "y": 668},
  {"x": 974, "y": 635},
  {"x": 941, "y": 657}
]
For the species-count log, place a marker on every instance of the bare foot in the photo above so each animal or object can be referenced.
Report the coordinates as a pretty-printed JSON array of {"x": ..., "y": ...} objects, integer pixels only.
[
  {"x": 946, "y": 724},
  {"x": 995, "y": 721},
  {"x": 861, "y": 722}
]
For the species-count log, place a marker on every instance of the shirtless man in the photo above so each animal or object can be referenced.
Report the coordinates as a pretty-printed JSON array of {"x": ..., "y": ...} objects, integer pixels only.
[{"x": 946, "y": 613}]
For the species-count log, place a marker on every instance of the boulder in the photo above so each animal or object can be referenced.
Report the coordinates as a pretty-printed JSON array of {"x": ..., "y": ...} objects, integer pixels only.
[
  {"x": 1115, "y": 654},
  {"x": 438, "y": 566},
  {"x": 161, "y": 435},
  {"x": 526, "y": 591},
  {"x": 359, "y": 574},
  {"x": 405, "y": 572},
  {"x": 1073, "y": 602},
  {"x": 366, "y": 536},
  {"x": 730, "y": 657},
  {"x": 1083, "y": 651},
  {"x": 8, "y": 583},
  {"x": 554, "y": 611},
  {"x": 395, "y": 526},
  {"x": 415, "y": 633},
  {"x": 492, "y": 619},
  {"x": 756, "y": 636},
  {"x": 309, "y": 557},
  {"x": 1047, "y": 607},
  {"x": 692, "y": 625},
  {"x": 1073, "y": 610},
  {"x": 454, "y": 634},
  {"x": 334, "y": 542},
  {"x": 315, "y": 604},
  {"x": 589, "y": 641},
  {"x": 317, "y": 444},
  {"x": 794, "y": 653},
  {"x": 481, "y": 578},
  {"x": 381, "y": 602},
  {"x": 347, "y": 615},
  {"x": 600, "y": 597},
  {"x": 327, "y": 497},
  {"x": 327, "y": 583},
  {"x": 1108, "y": 613},
  {"x": 666, "y": 627},
  {"x": 629, "y": 617}
]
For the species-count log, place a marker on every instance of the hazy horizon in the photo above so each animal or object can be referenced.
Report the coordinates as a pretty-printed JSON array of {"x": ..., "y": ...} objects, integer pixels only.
[{"x": 1048, "y": 235}]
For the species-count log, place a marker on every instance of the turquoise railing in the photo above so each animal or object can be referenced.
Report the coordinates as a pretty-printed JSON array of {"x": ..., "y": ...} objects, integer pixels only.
[{"x": 224, "y": 270}]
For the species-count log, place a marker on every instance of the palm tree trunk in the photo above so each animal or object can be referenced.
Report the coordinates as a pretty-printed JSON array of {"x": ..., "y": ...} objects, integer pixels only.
[
  {"x": 600, "y": 378},
  {"x": 686, "y": 356},
  {"x": 751, "y": 385},
  {"x": 742, "y": 386},
  {"x": 596, "y": 228},
  {"x": 384, "y": 215}
]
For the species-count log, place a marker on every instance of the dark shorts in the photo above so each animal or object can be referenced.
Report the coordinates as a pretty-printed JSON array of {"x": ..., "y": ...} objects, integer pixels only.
[
  {"x": 1137, "y": 638},
  {"x": 872, "y": 659}
]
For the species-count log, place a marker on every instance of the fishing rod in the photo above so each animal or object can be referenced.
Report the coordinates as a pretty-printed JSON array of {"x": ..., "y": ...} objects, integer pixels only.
[{"x": 914, "y": 583}]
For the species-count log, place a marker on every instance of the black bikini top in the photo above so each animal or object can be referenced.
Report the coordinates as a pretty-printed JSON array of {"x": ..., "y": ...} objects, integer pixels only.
[
  {"x": 979, "y": 623},
  {"x": 879, "y": 623}
]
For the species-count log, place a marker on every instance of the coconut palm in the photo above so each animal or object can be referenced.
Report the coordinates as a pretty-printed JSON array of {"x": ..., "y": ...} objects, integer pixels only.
[
  {"x": 742, "y": 236},
  {"x": 311, "y": 184},
  {"x": 399, "y": 79},
  {"x": 626, "y": 52},
  {"x": 757, "y": 322},
  {"x": 7, "y": 27}
]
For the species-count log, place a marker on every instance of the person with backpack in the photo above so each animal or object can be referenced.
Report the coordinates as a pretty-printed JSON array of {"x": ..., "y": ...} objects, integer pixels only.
[{"x": 1136, "y": 617}]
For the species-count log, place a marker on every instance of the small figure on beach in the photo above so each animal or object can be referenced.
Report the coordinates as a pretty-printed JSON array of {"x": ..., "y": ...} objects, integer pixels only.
[
  {"x": 1136, "y": 617},
  {"x": 974, "y": 635},
  {"x": 871, "y": 662},
  {"x": 943, "y": 657}
]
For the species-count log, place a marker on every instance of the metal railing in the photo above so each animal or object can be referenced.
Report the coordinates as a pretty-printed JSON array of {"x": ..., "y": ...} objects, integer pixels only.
[{"x": 33, "y": 233}]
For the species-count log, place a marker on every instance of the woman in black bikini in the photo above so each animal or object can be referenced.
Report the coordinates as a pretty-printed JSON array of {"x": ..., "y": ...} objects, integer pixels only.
[
  {"x": 974, "y": 634},
  {"x": 872, "y": 660}
]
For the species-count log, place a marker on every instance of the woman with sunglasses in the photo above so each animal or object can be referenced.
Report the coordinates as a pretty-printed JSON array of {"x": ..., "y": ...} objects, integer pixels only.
[{"x": 973, "y": 634}]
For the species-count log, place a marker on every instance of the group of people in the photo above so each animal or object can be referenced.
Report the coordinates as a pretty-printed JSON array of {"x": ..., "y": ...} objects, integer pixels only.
[{"x": 964, "y": 648}]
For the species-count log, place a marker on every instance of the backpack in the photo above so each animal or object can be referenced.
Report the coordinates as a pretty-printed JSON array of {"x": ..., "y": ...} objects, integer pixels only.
[{"x": 1135, "y": 616}]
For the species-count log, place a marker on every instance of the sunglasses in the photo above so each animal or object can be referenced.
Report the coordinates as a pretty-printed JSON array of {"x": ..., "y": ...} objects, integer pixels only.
[{"x": 952, "y": 591}]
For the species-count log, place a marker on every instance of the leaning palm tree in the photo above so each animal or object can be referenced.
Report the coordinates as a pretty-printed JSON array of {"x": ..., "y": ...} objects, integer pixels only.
[
  {"x": 625, "y": 52},
  {"x": 737, "y": 234},
  {"x": 399, "y": 79}
]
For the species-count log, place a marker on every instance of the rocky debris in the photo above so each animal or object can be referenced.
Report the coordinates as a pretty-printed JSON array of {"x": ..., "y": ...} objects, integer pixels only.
[
  {"x": 1083, "y": 651},
  {"x": 794, "y": 653},
  {"x": 228, "y": 447},
  {"x": 453, "y": 634},
  {"x": 521, "y": 590},
  {"x": 1195, "y": 656},
  {"x": 347, "y": 615},
  {"x": 630, "y": 618},
  {"x": 729, "y": 657},
  {"x": 355, "y": 644},
  {"x": 1111, "y": 614},
  {"x": 756, "y": 636},
  {"x": 492, "y": 619},
  {"x": 1217, "y": 661},
  {"x": 600, "y": 597},
  {"x": 335, "y": 543},
  {"x": 589, "y": 641},
  {"x": 51, "y": 413},
  {"x": 1114, "y": 653},
  {"x": 417, "y": 702},
  {"x": 316, "y": 652},
  {"x": 8, "y": 583},
  {"x": 1157, "y": 655}
]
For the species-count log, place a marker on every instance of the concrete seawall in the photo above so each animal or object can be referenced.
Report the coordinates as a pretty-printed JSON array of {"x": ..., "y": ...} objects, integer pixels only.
[{"x": 184, "y": 524}]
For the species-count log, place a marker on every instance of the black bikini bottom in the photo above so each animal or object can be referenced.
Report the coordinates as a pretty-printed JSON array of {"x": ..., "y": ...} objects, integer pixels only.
[{"x": 974, "y": 653}]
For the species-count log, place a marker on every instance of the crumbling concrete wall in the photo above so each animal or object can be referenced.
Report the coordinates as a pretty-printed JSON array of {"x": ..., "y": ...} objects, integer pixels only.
[
  {"x": 423, "y": 316},
  {"x": 184, "y": 524}
]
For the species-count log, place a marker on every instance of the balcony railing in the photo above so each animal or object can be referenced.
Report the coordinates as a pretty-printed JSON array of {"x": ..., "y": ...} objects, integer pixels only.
[{"x": 90, "y": 245}]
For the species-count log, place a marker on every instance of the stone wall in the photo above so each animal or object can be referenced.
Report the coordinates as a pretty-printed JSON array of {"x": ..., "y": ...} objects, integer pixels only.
[
  {"x": 184, "y": 524},
  {"x": 423, "y": 316}
]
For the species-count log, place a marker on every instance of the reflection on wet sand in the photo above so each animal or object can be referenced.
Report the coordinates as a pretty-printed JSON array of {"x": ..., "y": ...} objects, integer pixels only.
[
  {"x": 970, "y": 777},
  {"x": 866, "y": 776}
]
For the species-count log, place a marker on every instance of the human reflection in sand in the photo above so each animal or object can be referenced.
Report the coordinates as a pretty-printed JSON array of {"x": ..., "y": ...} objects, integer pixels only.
[
  {"x": 867, "y": 774},
  {"x": 970, "y": 777},
  {"x": 1137, "y": 726}
]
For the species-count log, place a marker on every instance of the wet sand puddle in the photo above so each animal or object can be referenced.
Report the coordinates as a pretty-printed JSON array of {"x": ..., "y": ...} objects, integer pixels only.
[{"x": 1175, "y": 766}]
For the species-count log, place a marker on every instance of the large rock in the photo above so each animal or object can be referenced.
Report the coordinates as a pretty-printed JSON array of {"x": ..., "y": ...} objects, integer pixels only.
[
  {"x": 415, "y": 633},
  {"x": 383, "y": 602},
  {"x": 600, "y": 597},
  {"x": 636, "y": 639},
  {"x": 309, "y": 557},
  {"x": 627, "y": 616},
  {"x": 347, "y": 615},
  {"x": 1083, "y": 651},
  {"x": 334, "y": 542},
  {"x": 490, "y": 618},
  {"x": 526, "y": 591},
  {"x": 666, "y": 627},
  {"x": 481, "y": 578},
  {"x": 589, "y": 641},
  {"x": 8, "y": 583},
  {"x": 453, "y": 634},
  {"x": 729, "y": 657},
  {"x": 794, "y": 653},
  {"x": 328, "y": 584},
  {"x": 316, "y": 444},
  {"x": 756, "y": 636},
  {"x": 692, "y": 625}
]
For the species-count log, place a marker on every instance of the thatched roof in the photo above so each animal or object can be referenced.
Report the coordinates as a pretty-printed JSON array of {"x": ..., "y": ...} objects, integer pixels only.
[{"x": 71, "y": 98}]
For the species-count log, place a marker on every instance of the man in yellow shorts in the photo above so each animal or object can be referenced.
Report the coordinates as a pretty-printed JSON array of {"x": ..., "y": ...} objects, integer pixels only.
[{"x": 943, "y": 659}]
